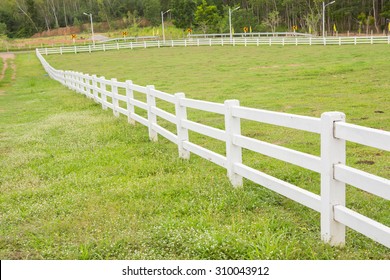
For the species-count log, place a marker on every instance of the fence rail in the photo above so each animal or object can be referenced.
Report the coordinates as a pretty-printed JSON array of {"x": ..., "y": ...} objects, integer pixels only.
[
  {"x": 330, "y": 165},
  {"x": 244, "y": 41}
]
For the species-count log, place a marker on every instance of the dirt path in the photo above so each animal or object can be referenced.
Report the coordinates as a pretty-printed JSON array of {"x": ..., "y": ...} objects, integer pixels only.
[{"x": 8, "y": 61}]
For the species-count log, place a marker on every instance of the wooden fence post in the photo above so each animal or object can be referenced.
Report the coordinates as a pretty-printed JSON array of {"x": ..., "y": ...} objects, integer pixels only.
[
  {"x": 63, "y": 77},
  {"x": 182, "y": 133},
  {"x": 67, "y": 81},
  {"x": 115, "y": 101},
  {"x": 76, "y": 82},
  {"x": 332, "y": 191},
  {"x": 66, "y": 78},
  {"x": 86, "y": 85},
  {"x": 94, "y": 88},
  {"x": 70, "y": 79},
  {"x": 82, "y": 83},
  {"x": 152, "y": 118},
  {"x": 233, "y": 152},
  {"x": 103, "y": 90},
  {"x": 130, "y": 106}
]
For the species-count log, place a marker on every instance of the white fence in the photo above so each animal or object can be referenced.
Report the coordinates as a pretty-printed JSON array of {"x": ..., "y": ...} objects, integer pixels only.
[
  {"x": 250, "y": 35},
  {"x": 331, "y": 165},
  {"x": 247, "y": 41}
]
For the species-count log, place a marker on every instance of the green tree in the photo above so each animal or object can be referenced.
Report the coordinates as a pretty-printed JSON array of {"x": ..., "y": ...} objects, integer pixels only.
[
  {"x": 207, "y": 17},
  {"x": 243, "y": 18},
  {"x": 152, "y": 11},
  {"x": 183, "y": 13},
  {"x": 386, "y": 11},
  {"x": 272, "y": 20},
  {"x": 3, "y": 29},
  {"x": 312, "y": 20}
]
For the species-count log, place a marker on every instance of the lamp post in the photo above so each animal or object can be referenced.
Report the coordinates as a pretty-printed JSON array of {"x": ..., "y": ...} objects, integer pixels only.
[
  {"x": 387, "y": 27},
  {"x": 230, "y": 21},
  {"x": 323, "y": 16},
  {"x": 93, "y": 36},
  {"x": 162, "y": 23}
]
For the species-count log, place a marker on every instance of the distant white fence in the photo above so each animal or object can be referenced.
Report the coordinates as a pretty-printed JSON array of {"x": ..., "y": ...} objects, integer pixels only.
[
  {"x": 331, "y": 164},
  {"x": 246, "y": 41},
  {"x": 250, "y": 34}
]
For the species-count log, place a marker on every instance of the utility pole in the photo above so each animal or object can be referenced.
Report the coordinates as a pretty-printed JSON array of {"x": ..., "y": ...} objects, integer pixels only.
[
  {"x": 93, "y": 36},
  {"x": 230, "y": 21},
  {"x": 323, "y": 16},
  {"x": 162, "y": 23}
]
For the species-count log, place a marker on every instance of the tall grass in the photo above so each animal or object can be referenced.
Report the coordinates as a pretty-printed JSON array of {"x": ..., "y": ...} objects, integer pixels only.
[{"x": 77, "y": 183}]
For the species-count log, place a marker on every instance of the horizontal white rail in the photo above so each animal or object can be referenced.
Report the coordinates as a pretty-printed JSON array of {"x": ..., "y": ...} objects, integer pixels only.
[
  {"x": 139, "y": 119},
  {"x": 203, "y": 105},
  {"x": 165, "y": 133},
  {"x": 204, "y": 153},
  {"x": 331, "y": 127},
  {"x": 288, "y": 155},
  {"x": 121, "y": 97},
  {"x": 108, "y": 104},
  {"x": 205, "y": 130},
  {"x": 281, "y": 119},
  {"x": 122, "y": 111},
  {"x": 288, "y": 190},
  {"x": 363, "y": 180},
  {"x": 163, "y": 96},
  {"x": 165, "y": 115},
  {"x": 117, "y": 84},
  {"x": 363, "y": 135},
  {"x": 138, "y": 88},
  {"x": 370, "y": 228},
  {"x": 139, "y": 104}
]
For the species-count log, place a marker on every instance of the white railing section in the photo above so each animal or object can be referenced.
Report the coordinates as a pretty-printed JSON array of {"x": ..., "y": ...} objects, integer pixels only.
[
  {"x": 245, "y": 41},
  {"x": 330, "y": 165}
]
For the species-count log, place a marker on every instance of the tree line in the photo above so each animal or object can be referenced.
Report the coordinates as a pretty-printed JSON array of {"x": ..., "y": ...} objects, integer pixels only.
[{"x": 23, "y": 18}]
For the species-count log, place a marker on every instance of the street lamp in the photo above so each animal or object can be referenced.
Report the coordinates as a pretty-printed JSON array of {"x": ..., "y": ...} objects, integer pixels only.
[
  {"x": 93, "y": 36},
  {"x": 323, "y": 16},
  {"x": 162, "y": 23},
  {"x": 387, "y": 27},
  {"x": 230, "y": 21}
]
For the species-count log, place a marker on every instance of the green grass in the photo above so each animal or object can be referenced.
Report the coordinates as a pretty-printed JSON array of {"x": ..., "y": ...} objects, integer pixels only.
[{"x": 77, "y": 183}]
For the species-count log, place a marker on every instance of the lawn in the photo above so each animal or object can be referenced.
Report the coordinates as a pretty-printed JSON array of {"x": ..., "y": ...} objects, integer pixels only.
[{"x": 77, "y": 183}]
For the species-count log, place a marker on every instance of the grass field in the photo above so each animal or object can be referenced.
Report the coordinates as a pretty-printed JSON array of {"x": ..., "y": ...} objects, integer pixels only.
[{"x": 77, "y": 183}]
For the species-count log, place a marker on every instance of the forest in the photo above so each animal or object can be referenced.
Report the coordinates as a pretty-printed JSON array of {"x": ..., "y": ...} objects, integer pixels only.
[{"x": 23, "y": 18}]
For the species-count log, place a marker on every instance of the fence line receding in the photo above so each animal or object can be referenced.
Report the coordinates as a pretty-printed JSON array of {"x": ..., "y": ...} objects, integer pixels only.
[
  {"x": 243, "y": 41},
  {"x": 331, "y": 164}
]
